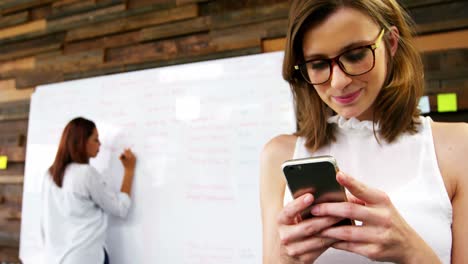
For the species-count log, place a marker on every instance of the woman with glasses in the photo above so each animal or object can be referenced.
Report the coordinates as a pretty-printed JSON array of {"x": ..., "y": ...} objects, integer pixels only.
[
  {"x": 356, "y": 80},
  {"x": 77, "y": 199}
]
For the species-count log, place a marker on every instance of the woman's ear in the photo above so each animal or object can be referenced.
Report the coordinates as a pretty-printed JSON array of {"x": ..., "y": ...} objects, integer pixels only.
[{"x": 394, "y": 37}]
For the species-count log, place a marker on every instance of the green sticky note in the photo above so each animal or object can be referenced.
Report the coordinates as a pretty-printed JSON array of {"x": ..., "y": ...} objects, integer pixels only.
[
  {"x": 447, "y": 102},
  {"x": 3, "y": 162}
]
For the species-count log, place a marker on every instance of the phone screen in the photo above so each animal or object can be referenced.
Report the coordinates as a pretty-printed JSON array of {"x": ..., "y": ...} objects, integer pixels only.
[{"x": 316, "y": 176}]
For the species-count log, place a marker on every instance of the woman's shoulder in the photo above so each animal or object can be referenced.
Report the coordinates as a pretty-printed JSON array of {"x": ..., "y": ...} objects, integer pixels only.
[
  {"x": 451, "y": 146},
  {"x": 280, "y": 147},
  {"x": 84, "y": 169},
  {"x": 275, "y": 152},
  {"x": 452, "y": 137}
]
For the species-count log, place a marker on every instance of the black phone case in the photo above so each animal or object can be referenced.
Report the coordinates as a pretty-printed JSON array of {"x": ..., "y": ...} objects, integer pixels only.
[{"x": 318, "y": 178}]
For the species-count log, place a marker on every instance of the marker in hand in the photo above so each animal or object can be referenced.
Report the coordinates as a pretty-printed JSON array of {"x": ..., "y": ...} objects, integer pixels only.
[
  {"x": 123, "y": 156},
  {"x": 128, "y": 159}
]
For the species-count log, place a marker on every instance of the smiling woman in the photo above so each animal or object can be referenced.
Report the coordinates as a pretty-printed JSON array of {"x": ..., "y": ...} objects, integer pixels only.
[
  {"x": 352, "y": 90},
  {"x": 356, "y": 79}
]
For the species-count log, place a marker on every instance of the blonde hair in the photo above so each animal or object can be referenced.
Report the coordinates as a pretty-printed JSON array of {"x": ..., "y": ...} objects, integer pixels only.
[{"x": 395, "y": 108}]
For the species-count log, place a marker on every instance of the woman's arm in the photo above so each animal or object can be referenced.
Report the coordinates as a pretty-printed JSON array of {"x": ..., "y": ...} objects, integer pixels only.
[
  {"x": 287, "y": 239},
  {"x": 451, "y": 144},
  {"x": 128, "y": 160},
  {"x": 272, "y": 187},
  {"x": 112, "y": 202}
]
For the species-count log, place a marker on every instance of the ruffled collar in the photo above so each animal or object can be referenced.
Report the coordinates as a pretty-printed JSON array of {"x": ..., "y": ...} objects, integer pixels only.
[{"x": 353, "y": 124}]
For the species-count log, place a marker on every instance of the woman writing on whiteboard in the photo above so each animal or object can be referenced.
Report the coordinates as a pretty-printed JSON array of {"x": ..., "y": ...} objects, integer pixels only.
[
  {"x": 356, "y": 79},
  {"x": 77, "y": 200}
]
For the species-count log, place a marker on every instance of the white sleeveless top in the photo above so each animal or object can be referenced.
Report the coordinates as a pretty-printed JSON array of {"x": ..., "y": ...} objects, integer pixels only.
[{"x": 406, "y": 170}]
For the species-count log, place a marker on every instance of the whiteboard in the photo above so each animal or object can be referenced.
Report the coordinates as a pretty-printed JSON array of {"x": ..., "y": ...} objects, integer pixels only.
[{"x": 197, "y": 130}]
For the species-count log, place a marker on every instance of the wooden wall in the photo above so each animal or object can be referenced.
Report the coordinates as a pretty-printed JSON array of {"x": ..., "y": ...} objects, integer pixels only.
[
  {"x": 13, "y": 131},
  {"x": 47, "y": 41}
]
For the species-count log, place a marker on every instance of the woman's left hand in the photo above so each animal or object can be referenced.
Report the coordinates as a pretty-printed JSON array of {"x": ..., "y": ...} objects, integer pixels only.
[{"x": 384, "y": 234}]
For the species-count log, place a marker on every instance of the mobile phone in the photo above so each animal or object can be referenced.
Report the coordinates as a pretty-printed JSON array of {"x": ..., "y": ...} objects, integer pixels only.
[{"x": 315, "y": 175}]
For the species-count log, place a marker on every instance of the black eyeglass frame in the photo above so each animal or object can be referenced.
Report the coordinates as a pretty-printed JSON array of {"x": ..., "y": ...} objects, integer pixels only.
[{"x": 335, "y": 60}]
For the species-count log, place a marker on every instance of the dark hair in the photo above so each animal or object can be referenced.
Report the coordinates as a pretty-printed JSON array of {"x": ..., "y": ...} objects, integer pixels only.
[
  {"x": 72, "y": 147},
  {"x": 395, "y": 108}
]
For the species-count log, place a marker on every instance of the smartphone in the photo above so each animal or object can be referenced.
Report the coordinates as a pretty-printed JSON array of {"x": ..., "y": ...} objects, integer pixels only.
[{"x": 315, "y": 175}]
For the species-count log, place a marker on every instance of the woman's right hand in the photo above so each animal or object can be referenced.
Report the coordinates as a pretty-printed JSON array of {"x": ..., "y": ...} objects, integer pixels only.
[
  {"x": 128, "y": 159},
  {"x": 301, "y": 238}
]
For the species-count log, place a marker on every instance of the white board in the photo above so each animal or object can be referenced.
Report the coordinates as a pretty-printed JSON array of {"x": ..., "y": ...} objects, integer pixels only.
[{"x": 197, "y": 130}]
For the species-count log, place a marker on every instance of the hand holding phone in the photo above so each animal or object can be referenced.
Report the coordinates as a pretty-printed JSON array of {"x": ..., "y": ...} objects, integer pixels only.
[{"x": 316, "y": 175}]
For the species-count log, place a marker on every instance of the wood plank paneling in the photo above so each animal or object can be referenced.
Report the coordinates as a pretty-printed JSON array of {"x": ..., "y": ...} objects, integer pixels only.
[
  {"x": 99, "y": 70},
  {"x": 6, "y": 85},
  {"x": 16, "y": 95},
  {"x": 443, "y": 41},
  {"x": 34, "y": 78},
  {"x": 230, "y": 42},
  {"x": 72, "y": 6},
  {"x": 13, "y": 168},
  {"x": 14, "y": 110},
  {"x": 9, "y": 233},
  {"x": 10, "y": 213},
  {"x": 189, "y": 26},
  {"x": 7, "y": 68},
  {"x": 133, "y": 22},
  {"x": 440, "y": 11},
  {"x": 220, "y": 7},
  {"x": 9, "y": 140},
  {"x": 31, "y": 47},
  {"x": 276, "y": 44},
  {"x": 440, "y": 17},
  {"x": 14, "y": 19},
  {"x": 63, "y": 9},
  {"x": 40, "y": 12},
  {"x": 446, "y": 65},
  {"x": 110, "y": 68},
  {"x": 161, "y": 4},
  {"x": 161, "y": 50},
  {"x": 202, "y": 57},
  {"x": 460, "y": 87},
  {"x": 249, "y": 16},
  {"x": 268, "y": 29},
  {"x": 442, "y": 26},
  {"x": 432, "y": 87},
  {"x": 111, "y": 41},
  {"x": 11, "y": 195},
  {"x": 15, "y": 154},
  {"x": 13, "y": 133},
  {"x": 195, "y": 45},
  {"x": 74, "y": 21},
  {"x": 70, "y": 63},
  {"x": 51, "y": 69},
  {"x": 13, "y": 6},
  {"x": 9, "y": 254},
  {"x": 9, "y": 3},
  {"x": 11, "y": 179},
  {"x": 30, "y": 27}
]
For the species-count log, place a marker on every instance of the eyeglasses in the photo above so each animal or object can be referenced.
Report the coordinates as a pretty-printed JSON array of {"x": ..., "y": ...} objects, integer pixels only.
[{"x": 354, "y": 62}]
